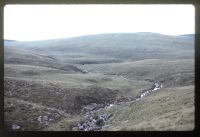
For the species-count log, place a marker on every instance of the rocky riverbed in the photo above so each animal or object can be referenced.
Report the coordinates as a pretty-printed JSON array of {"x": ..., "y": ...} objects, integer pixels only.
[{"x": 95, "y": 122}]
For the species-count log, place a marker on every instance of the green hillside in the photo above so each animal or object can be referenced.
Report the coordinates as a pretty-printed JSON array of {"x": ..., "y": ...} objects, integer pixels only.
[
  {"x": 16, "y": 55},
  {"x": 134, "y": 46}
]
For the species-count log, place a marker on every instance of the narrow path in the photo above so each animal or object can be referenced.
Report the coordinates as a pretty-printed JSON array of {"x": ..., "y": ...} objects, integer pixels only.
[{"x": 94, "y": 122}]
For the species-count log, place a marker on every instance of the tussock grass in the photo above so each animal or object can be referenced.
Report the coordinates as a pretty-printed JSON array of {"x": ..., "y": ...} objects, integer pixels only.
[{"x": 168, "y": 109}]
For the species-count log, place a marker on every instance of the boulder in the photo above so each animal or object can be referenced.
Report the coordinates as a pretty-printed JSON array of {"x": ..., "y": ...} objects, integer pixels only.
[
  {"x": 99, "y": 122},
  {"x": 15, "y": 127}
]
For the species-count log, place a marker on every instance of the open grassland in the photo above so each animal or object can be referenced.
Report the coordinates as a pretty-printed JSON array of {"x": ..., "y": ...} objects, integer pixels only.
[
  {"x": 83, "y": 80},
  {"x": 143, "y": 69}
]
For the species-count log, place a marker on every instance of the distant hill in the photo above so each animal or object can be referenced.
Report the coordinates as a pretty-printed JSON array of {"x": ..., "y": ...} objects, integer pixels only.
[
  {"x": 188, "y": 35},
  {"x": 9, "y": 40},
  {"x": 134, "y": 46}
]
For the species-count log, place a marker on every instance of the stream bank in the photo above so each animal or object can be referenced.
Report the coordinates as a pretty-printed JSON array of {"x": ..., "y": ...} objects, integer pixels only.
[{"x": 95, "y": 122}]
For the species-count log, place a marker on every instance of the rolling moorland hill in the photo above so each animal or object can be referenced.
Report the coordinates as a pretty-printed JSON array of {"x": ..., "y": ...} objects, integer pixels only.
[
  {"x": 122, "y": 46},
  {"x": 112, "y": 82}
]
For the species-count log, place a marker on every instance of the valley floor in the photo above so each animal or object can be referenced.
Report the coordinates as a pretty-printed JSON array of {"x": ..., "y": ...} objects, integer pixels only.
[{"x": 41, "y": 98}]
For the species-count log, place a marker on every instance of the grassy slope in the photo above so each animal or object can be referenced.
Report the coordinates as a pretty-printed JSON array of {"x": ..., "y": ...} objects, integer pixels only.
[
  {"x": 148, "y": 114},
  {"x": 23, "y": 93},
  {"x": 135, "y": 73},
  {"x": 115, "y": 46},
  {"x": 17, "y": 55},
  {"x": 143, "y": 69},
  {"x": 168, "y": 109},
  {"x": 177, "y": 72}
]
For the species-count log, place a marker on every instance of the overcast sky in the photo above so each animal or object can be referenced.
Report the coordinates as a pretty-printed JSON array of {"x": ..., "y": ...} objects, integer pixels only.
[{"x": 34, "y": 22}]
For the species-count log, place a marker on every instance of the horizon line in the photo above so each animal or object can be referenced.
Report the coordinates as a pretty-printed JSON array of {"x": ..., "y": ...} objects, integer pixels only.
[{"x": 93, "y": 35}]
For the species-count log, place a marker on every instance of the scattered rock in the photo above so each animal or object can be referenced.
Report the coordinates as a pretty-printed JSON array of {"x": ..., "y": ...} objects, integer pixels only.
[
  {"x": 15, "y": 127},
  {"x": 99, "y": 122},
  {"x": 109, "y": 116},
  {"x": 95, "y": 122},
  {"x": 39, "y": 119},
  {"x": 43, "y": 120}
]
